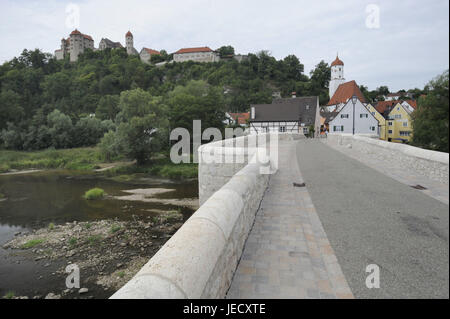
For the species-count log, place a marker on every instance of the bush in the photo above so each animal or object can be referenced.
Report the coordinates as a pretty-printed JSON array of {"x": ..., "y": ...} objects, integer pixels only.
[{"x": 94, "y": 193}]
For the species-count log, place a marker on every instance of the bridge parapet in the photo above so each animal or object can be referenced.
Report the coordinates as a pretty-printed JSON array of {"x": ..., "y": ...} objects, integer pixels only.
[
  {"x": 200, "y": 259},
  {"x": 432, "y": 164}
]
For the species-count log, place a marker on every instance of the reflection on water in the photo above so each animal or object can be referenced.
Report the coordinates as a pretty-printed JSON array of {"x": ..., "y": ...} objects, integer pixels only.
[{"x": 37, "y": 199}]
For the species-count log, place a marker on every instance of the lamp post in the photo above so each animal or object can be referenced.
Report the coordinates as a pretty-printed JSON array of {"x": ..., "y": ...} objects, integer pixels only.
[{"x": 354, "y": 99}]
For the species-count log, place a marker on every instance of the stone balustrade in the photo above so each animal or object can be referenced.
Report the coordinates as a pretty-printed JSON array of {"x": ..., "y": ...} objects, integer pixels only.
[
  {"x": 432, "y": 164},
  {"x": 200, "y": 259}
]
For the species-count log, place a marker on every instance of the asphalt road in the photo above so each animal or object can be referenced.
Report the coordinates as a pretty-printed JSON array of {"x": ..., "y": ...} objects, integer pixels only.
[{"x": 370, "y": 218}]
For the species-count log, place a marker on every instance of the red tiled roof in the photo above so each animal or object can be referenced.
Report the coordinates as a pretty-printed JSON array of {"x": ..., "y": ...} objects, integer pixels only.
[
  {"x": 76, "y": 32},
  {"x": 337, "y": 62},
  {"x": 413, "y": 103},
  {"x": 242, "y": 117},
  {"x": 345, "y": 91},
  {"x": 192, "y": 50},
  {"x": 382, "y": 106},
  {"x": 151, "y": 51},
  {"x": 88, "y": 37},
  {"x": 129, "y": 34}
]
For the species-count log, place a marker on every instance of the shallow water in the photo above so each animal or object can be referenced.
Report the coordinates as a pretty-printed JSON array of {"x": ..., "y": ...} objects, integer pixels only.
[{"x": 37, "y": 199}]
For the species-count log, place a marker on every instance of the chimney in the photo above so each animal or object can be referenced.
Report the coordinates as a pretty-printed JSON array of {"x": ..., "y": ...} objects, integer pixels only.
[
  {"x": 252, "y": 114},
  {"x": 294, "y": 95}
]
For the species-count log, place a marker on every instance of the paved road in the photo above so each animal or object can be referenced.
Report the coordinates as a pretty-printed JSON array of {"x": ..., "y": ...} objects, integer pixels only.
[{"x": 370, "y": 218}]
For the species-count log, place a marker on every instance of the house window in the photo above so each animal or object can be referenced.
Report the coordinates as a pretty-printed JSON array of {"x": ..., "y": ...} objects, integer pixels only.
[
  {"x": 307, "y": 107},
  {"x": 390, "y": 131},
  {"x": 344, "y": 116},
  {"x": 372, "y": 128},
  {"x": 364, "y": 115},
  {"x": 305, "y": 130},
  {"x": 405, "y": 133},
  {"x": 338, "y": 128},
  {"x": 390, "y": 123},
  {"x": 373, "y": 113},
  {"x": 397, "y": 116},
  {"x": 282, "y": 129},
  {"x": 405, "y": 124}
]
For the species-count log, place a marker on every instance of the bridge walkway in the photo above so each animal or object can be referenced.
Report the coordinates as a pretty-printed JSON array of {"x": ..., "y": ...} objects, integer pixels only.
[{"x": 287, "y": 254}]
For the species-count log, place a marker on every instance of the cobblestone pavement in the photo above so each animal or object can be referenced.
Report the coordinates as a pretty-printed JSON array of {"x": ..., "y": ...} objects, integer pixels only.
[
  {"x": 287, "y": 254},
  {"x": 399, "y": 172}
]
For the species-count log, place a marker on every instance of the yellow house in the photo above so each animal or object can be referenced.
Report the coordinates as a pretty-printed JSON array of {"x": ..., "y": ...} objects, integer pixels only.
[
  {"x": 381, "y": 121},
  {"x": 399, "y": 126}
]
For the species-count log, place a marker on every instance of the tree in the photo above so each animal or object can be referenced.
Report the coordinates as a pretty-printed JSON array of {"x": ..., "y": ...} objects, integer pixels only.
[
  {"x": 108, "y": 107},
  {"x": 293, "y": 67},
  {"x": 60, "y": 129},
  {"x": 10, "y": 108},
  {"x": 196, "y": 101},
  {"x": 225, "y": 51},
  {"x": 138, "y": 103},
  {"x": 320, "y": 79},
  {"x": 142, "y": 127},
  {"x": 431, "y": 119}
]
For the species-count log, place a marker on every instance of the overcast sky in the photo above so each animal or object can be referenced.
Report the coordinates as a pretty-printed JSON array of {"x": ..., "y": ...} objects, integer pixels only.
[{"x": 406, "y": 47}]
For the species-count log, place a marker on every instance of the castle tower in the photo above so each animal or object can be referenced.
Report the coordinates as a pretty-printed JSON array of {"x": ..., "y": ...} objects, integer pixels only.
[
  {"x": 76, "y": 45},
  {"x": 129, "y": 43},
  {"x": 337, "y": 75}
]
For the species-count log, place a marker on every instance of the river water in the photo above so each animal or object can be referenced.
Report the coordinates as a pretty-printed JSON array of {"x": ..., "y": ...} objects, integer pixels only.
[{"x": 34, "y": 200}]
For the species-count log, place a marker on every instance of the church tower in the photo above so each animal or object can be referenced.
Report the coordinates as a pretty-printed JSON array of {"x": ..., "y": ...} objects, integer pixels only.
[
  {"x": 337, "y": 75},
  {"x": 129, "y": 43}
]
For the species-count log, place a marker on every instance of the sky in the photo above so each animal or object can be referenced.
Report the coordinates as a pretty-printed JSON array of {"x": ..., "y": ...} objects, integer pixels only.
[{"x": 402, "y": 44}]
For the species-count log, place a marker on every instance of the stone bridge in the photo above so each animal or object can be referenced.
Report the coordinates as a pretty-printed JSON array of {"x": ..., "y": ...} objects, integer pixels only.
[{"x": 306, "y": 221}]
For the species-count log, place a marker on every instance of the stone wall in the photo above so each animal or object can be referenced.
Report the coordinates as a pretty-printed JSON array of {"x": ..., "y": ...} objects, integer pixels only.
[
  {"x": 432, "y": 164},
  {"x": 200, "y": 259}
]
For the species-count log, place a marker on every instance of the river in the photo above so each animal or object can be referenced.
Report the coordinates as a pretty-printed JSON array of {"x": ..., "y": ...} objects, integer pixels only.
[{"x": 33, "y": 201}]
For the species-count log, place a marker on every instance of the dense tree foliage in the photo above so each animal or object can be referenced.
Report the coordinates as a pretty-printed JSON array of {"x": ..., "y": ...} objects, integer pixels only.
[
  {"x": 49, "y": 103},
  {"x": 430, "y": 120}
]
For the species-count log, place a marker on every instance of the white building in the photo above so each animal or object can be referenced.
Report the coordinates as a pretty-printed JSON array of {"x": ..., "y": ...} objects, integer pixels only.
[
  {"x": 364, "y": 121},
  {"x": 203, "y": 54},
  {"x": 146, "y": 54},
  {"x": 294, "y": 115},
  {"x": 337, "y": 75}
]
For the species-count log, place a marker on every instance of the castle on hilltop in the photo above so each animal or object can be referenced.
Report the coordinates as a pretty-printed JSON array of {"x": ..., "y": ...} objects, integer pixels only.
[{"x": 77, "y": 42}]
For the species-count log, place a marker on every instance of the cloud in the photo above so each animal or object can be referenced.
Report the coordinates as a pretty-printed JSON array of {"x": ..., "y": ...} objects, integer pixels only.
[{"x": 409, "y": 48}]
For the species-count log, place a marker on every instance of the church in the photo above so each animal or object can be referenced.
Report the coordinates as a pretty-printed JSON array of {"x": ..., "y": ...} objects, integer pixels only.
[{"x": 339, "y": 90}]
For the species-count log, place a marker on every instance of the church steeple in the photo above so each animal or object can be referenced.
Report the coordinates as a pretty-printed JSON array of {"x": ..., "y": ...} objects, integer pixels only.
[{"x": 337, "y": 75}]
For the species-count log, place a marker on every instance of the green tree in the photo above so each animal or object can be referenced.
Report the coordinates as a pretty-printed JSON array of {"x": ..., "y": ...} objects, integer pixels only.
[
  {"x": 225, "y": 50},
  {"x": 108, "y": 107},
  {"x": 60, "y": 129},
  {"x": 430, "y": 120},
  {"x": 10, "y": 108},
  {"x": 196, "y": 101}
]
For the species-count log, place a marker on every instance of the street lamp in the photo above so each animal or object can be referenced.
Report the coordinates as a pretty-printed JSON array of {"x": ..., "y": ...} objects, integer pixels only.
[{"x": 354, "y": 99}]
